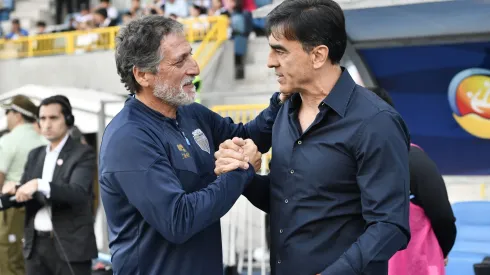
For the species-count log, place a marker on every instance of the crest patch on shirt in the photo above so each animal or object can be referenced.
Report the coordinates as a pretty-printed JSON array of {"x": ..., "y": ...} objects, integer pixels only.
[
  {"x": 201, "y": 140},
  {"x": 183, "y": 151}
]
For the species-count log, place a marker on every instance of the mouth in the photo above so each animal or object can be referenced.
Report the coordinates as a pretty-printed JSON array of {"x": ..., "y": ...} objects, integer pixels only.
[
  {"x": 188, "y": 84},
  {"x": 280, "y": 77}
]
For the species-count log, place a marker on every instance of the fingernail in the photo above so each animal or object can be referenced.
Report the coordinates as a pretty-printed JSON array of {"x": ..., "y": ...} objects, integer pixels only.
[{"x": 246, "y": 165}]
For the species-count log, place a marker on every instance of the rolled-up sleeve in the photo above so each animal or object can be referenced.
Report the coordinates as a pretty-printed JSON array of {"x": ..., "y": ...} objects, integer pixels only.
[{"x": 382, "y": 147}]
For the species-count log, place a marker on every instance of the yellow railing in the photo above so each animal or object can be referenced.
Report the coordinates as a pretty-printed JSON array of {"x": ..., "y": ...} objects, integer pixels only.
[
  {"x": 207, "y": 30},
  {"x": 244, "y": 114}
]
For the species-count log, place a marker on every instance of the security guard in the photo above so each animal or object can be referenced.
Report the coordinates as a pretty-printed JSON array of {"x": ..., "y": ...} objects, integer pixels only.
[{"x": 14, "y": 149}]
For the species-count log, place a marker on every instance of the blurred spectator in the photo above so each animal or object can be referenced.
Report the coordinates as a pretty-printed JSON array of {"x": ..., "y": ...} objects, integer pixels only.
[
  {"x": 136, "y": 11},
  {"x": 127, "y": 17},
  {"x": 17, "y": 31},
  {"x": 177, "y": 7},
  {"x": 203, "y": 3},
  {"x": 198, "y": 12},
  {"x": 102, "y": 20},
  {"x": 6, "y": 6},
  {"x": 111, "y": 11},
  {"x": 84, "y": 15},
  {"x": 59, "y": 9},
  {"x": 41, "y": 27},
  {"x": 217, "y": 9}
]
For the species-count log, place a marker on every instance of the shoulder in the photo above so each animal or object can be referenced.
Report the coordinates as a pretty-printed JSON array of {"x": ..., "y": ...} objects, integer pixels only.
[
  {"x": 129, "y": 147},
  {"x": 369, "y": 105}
]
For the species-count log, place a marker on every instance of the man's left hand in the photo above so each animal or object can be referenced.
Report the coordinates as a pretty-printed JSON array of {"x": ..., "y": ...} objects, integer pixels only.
[{"x": 25, "y": 191}]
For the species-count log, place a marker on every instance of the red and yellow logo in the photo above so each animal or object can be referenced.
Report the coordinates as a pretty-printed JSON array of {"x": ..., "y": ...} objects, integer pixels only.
[{"x": 469, "y": 97}]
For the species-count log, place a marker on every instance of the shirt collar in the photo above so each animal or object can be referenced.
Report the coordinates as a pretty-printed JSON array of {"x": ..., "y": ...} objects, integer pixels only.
[
  {"x": 59, "y": 147},
  {"x": 338, "y": 98}
]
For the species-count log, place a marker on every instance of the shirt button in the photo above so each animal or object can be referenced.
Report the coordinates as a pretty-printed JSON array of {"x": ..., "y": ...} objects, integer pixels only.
[
  {"x": 292, "y": 171},
  {"x": 280, "y": 231},
  {"x": 286, "y": 201},
  {"x": 299, "y": 142},
  {"x": 278, "y": 261}
]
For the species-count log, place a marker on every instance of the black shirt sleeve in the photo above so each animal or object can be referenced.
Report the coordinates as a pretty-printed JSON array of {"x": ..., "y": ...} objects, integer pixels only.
[{"x": 429, "y": 190}]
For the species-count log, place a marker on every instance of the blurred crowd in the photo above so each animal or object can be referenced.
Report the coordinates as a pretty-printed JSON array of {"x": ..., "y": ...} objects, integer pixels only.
[{"x": 78, "y": 15}]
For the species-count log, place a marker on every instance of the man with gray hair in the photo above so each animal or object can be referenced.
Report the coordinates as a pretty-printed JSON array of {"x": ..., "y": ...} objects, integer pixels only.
[{"x": 162, "y": 198}]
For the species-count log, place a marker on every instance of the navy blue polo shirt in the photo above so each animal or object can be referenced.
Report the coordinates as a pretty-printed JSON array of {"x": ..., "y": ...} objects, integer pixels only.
[
  {"x": 162, "y": 199},
  {"x": 337, "y": 193}
]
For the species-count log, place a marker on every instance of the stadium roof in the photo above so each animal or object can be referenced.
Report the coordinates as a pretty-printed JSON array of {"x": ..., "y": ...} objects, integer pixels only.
[{"x": 375, "y": 23}]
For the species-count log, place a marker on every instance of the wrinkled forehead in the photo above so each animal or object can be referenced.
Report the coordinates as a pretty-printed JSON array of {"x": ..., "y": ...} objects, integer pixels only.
[{"x": 174, "y": 45}]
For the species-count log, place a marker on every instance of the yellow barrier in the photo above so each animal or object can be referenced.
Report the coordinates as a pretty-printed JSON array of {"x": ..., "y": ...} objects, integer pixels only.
[
  {"x": 244, "y": 114},
  {"x": 207, "y": 30}
]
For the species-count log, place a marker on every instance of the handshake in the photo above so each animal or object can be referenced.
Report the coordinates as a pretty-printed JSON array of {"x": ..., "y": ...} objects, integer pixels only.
[{"x": 237, "y": 153}]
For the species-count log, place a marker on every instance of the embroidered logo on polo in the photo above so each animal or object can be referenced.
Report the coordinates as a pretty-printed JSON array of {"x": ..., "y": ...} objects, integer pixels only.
[
  {"x": 183, "y": 151},
  {"x": 201, "y": 140}
]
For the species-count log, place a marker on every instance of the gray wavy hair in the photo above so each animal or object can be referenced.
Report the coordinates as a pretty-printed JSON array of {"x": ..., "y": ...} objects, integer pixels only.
[{"x": 138, "y": 45}]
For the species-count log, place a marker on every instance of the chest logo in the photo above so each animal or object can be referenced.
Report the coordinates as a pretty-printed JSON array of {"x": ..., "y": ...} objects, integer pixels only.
[
  {"x": 183, "y": 151},
  {"x": 201, "y": 140}
]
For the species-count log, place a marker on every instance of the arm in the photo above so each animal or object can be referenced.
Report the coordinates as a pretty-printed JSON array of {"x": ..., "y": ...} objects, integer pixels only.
[
  {"x": 7, "y": 154},
  {"x": 149, "y": 182},
  {"x": 429, "y": 189},
  {"x": 383, "y": 179},
  {"x": 259, "y": 129},
  {"x": 258, "y": 192},
  {"x": 79, "y": 188}
]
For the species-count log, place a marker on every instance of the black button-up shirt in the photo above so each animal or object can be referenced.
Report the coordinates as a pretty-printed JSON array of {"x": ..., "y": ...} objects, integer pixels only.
[{"x": 337, "y": 193}]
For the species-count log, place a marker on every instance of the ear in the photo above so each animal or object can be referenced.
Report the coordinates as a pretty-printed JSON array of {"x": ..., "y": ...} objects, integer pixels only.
[
  {"x": 319, "y": 56},
  {"x": 145, "y": 79}
]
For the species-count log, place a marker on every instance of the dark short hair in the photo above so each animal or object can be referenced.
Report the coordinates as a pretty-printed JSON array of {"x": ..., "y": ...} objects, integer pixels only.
[
  {"x": 312, "y": 23},
  {"x": 384, "y": 95},
  {"x": 102, "y": 12},
  {"x": 61, "y": 100},
  {"x": 138, "y": 45}
]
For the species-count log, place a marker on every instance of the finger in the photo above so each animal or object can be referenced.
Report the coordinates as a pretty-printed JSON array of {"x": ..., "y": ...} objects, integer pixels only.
[
  {"x": 233, "y": 165},
  {"x": 239, "y": 141},
  {"x": 228, "y": 153},
  {"x": 229, "y": 144}
]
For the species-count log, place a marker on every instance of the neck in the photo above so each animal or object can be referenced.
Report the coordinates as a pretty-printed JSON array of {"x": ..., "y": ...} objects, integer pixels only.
[
  {"x": 321, "y": 87},
  {"x": 147, "y": 98},
  {"x": 57, "y": 142}
]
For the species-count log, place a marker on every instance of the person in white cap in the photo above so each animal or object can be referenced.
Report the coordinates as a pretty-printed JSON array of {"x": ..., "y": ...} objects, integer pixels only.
[{"x": 14, "y": 149}]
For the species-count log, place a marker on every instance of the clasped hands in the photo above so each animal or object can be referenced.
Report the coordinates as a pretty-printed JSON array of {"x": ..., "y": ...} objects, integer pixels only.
[
  {"x": 23, "y": 193},
  {"x": 237, "y": 153}
]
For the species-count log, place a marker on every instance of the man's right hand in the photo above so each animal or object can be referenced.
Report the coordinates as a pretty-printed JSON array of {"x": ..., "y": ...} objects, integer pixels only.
[
  {"x": 9, "y": 188},
  {"x": 236, "y": 153}
]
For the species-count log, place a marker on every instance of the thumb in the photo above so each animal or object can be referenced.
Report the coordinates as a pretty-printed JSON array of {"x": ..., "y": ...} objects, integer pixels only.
[{"x": 238, "y": 141}]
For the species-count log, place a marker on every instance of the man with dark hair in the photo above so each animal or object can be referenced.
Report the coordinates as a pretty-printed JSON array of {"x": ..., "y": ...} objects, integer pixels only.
[
  {"x": 14, "y": 149},
  {"x": 162, "y": 198},
  {"x": 338, "y": 188},
  {"x": 56, "y": 190}
]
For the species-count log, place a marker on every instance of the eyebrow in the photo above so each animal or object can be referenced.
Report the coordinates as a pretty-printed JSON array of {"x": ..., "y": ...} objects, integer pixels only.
[{"x": 278, "y": 47}]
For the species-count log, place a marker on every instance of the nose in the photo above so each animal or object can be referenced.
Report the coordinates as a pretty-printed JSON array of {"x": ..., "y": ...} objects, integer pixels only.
[
  {"x": 194, "y": 68},
  {"x": 272, "y": 60}
]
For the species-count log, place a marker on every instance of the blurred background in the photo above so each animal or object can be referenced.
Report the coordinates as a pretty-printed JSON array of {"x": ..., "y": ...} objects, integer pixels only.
[{"x": 433, "y": 58}]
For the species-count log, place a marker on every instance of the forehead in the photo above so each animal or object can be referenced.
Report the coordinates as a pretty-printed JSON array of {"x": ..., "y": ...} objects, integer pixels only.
[
  {"x": 279, "y": 40},
  {"x": 175, "y": 44},
  {"x": 50, "y": 110}
]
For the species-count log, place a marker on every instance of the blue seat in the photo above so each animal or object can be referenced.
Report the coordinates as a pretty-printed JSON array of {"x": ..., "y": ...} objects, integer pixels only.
[{"x": 473, "y": 238}]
